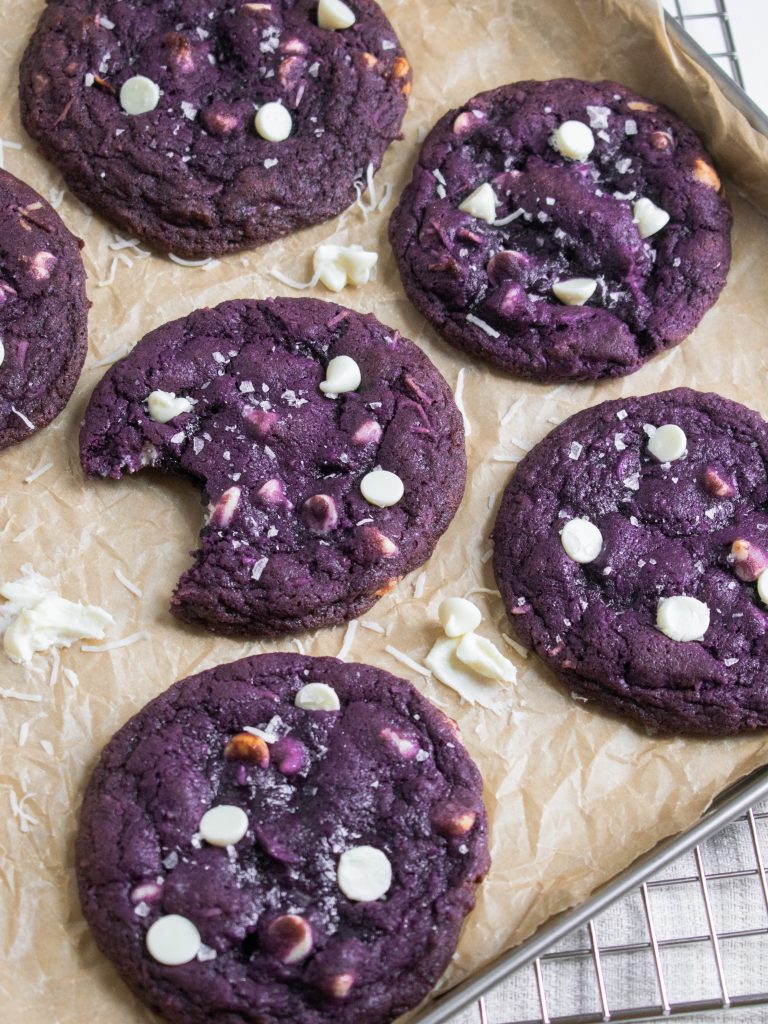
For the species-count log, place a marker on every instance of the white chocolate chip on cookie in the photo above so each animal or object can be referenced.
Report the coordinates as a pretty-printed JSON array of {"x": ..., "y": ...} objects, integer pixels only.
[
  {"x": 317, "y": 697},
  {"x": 682, "y": 618},
  {"x": 574, "y": 140},
  {"x": 481, "y": 204},
  {"x": 139, "y": 95},
  {"x": 173, "y": 940},
  {"x": 364, "y": 874},
  {"x": 649, "y": 217},
  {"x": 164, "y": 406},
  {"x": 668, "y": 443},
  {"x": 223, "y": 825},
  {"x": 341, "y": 375},
  {"x": 382, "y": 488},
  {"x": 273, "y": 122},
  {"x": 333, "y": 14},
  {"x": 581, "y": 540},
  {"x": 575, "y": 291}
]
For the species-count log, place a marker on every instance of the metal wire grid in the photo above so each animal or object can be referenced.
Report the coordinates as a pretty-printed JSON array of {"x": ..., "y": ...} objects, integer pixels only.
[
  {"x": 707, "y": 21},
  {"x": 636, "y": 947}
]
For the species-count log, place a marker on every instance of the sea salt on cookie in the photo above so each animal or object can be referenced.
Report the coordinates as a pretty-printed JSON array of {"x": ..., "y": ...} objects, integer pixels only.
[
  {"x": 563, "y": 230},
  {"x": 638, "y": 580},
  {"x": 209, "y": 126},
  {"x": 319, "y": 501},
  {"x": 43, "y": 312},
  {"x": 357, "y": 838}
]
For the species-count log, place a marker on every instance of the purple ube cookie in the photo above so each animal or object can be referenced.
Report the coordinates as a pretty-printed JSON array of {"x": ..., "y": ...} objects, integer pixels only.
[
  {"x": 630, "y": 558},
  {"x": 291, "y": 541},
  {"x": 192, "y": 174},
  {"x": 43, "y": 312},
  {"x": 590, "y": 247},
  {"x": 278, "y": 924}
]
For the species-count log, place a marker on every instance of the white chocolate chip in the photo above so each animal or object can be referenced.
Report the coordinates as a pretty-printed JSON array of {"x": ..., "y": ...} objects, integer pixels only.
[
  {"x": 649, "y": 217},
  {"x": 164, "y": 406},
  {"x": 317, "y": 697},
  {"x": 139, "y": 95},
  {"x": 223, "y": 825},
  {"x": 574, "y": 140},
  {"x": 682, "y": 618},
  {"x": 458, "y": 616},
  {"x": 483, "y": 657},
  {"x": 364, "y": 874},
  {"x": 581, "y": 540},
  {"x": 334, "y": 14},
  {"x": 173, "y": 940},
  {"x": 341, "y": 375},
  {"x": 382, "y": 488},
  {"x": 335, "y": 266},
  {"x": 668, "y": 443},
  {"x": 762, "y": 586},
  {"x": 575, "y": 291},
  {"x": 442, "y": 661},
  {"x": 273, "y": 122},
  {"x": 481, "y": 204}
]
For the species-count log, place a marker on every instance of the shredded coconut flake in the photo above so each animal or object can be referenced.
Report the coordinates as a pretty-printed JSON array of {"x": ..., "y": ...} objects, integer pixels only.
[
  {"x": 385, "y": 198},
  {"x": 509, "y": 218},
  {"x": 374, "y": 627},
  {"x": 418, "y": 590},
  {"x": 47, "y": 747},
  {"x": 292, "y": 282},
  {"x": 490, "y": 331},
  {"x": 111, "y": 358},
  {"x": 459, "y": 403},
  {"x": 55, "y": 666},
  {"x": 349, "y": 637},
  {"x": 33, "y": 698},
  {"x": 522, "y": 651},
  {"x": 113, "y": 645},
  {"x": 24, "y": 419},
  {"x": 71, "y": 676},
  {"x": 37, "y": 473},
  {"x": 512, "y": 410},
  {"x": 193, "y": 263},
  {"x": 408, "y": 662},
  {"x": 127, "y": 583}
]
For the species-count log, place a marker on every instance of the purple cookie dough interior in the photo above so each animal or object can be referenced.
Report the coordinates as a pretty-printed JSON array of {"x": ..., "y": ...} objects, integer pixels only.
[
  {"x": 488, "y": 288},
  {"x": 193, "y": 176},
  {"x": 291, "y": 542},
  {"x": 43, "y": 311},
  {"x": 668, "y": 530},
  {"x": 388, "y": 770}
]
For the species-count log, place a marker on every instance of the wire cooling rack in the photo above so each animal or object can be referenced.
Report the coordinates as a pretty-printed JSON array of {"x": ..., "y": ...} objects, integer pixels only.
[{"x": 625, "y": 955}]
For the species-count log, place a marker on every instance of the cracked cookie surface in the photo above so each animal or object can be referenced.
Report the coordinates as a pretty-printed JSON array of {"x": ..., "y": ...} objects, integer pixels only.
[
  {"x": 695, "y": 526},
  {"x": 291, "y": 542},
  {"x": 193, "y": 176},
  {"x": 387, "y": 770},
  {"x": 486, "y": 284},
  {"x": 43, "y": 312}
]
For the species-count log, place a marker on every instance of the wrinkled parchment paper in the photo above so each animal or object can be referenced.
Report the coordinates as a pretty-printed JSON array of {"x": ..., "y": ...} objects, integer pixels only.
[{"x": 573, "y": 795}]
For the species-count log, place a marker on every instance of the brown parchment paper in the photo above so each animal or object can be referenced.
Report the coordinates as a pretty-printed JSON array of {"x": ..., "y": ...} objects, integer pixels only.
[{"x": 573, "y": 794}]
